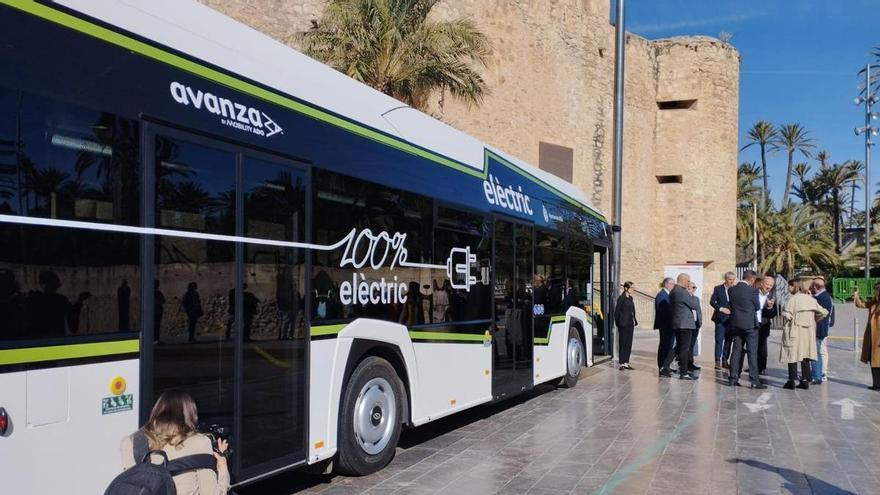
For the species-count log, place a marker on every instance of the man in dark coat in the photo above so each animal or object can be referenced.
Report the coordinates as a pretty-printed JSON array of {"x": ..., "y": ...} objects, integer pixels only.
[
  {"x": 684, "y": 323},
  {"x": 820, "y": 367},
  {"x": 663, "y": 321},
  {"x": 698, "y": 315},
  {"x": 744, "y": 326},
  {"x": 769, "y": 310},
  {"x": 721, "y": 304}
]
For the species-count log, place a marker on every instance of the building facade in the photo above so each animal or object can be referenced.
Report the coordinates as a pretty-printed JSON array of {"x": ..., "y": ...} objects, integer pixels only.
[{"x": 551, "y": 77}]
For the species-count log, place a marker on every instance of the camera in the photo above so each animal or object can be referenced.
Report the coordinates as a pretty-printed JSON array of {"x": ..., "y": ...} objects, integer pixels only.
[{"x": 217, "y": 432}]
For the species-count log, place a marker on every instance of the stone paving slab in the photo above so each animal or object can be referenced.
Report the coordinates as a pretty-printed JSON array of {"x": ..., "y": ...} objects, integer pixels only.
[{"x": 635, "y": 433}]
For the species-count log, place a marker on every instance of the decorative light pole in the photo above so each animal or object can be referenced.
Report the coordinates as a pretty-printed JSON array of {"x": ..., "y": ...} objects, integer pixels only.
[
  {"x": 619, "y": 53},
  {"x": 868, "y": 130}
]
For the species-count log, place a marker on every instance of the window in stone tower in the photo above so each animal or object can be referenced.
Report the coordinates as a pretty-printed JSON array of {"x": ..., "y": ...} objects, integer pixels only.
[
  {"x": 558, "y": 160},
  {"x": 676, "y": 104},
  {"x": 669, "y": 179}
]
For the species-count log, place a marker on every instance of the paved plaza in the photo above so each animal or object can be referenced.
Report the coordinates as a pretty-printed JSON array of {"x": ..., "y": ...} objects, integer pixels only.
[{"x": 634, "y": 433}]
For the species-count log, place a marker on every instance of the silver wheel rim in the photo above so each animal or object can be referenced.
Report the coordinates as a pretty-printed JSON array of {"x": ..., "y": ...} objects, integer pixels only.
[
  {"x": 375, "y": 415},
  {"x": 575, "y": 357}
]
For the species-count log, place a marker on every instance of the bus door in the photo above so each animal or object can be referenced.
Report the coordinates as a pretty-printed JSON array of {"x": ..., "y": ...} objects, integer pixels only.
[
  {"x": 226, "y": 316},
  {"x": 512, "y": 351}
]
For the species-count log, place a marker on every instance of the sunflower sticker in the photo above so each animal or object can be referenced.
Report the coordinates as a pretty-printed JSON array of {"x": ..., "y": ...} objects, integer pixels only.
[{"x": 117, "y": 385}]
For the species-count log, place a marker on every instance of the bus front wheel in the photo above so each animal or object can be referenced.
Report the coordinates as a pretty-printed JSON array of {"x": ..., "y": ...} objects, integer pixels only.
[
  {"x": 574, "y": 358},
  {"x": 370, "y": 418}
]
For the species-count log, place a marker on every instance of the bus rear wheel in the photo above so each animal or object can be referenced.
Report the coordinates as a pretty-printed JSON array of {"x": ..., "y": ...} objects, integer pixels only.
[
  {"x": 370, "y": 418},
  {"x": 574, "y": 359}
]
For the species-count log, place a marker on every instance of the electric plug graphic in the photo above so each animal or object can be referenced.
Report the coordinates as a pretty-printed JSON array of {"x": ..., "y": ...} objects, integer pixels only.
[{"x": 459, "y": 263}]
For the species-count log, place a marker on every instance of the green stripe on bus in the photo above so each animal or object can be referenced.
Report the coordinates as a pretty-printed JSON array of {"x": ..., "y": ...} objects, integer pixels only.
[
  {"x": 546, "y": 340},
  {"x": 70, "y": 351},
  {"x": 327, "y": 330},
  {"x": 470, "y": 337},
  {"x": 218, "y": 77},
  {"x": 414, "y": 334}
]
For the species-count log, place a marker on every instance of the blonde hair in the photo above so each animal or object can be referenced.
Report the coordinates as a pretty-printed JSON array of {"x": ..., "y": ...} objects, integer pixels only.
[
  {"x": 804, "y": 285},
  {"x": 174, "y": 418}
]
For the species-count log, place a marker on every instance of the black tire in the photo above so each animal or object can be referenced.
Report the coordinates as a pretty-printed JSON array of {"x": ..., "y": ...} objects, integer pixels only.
[
  {"x": 353, "y": 458},
  {"x": 570, "y": 379}
]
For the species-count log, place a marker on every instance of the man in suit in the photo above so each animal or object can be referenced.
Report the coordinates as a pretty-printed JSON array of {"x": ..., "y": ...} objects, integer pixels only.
[
  {"x": 744, "y": 326},
  {"x": 721, "y": 304},
  {"x": 663, "y": 321},
  {"x": 698, "y": 323},
  {"x": 820, "y": 367},
  {"x": 768, "y": 311},
  {"x": 684, "y": 323}
]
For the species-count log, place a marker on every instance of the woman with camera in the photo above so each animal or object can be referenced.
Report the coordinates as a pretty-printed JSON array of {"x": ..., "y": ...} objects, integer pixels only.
[{"x": 172, "y": 430}]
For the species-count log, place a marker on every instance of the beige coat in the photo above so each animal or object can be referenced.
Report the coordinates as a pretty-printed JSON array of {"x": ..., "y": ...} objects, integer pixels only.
[
  {"x": 871, "y": 338},
  {"x": 800, "y": 315},
  {"x": 198, "y": 482}
]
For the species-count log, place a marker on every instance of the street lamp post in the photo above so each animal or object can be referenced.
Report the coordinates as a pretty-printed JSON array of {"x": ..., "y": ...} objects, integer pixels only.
[
  {"x": 619, "y": 54},
  {"x": 868, "y": 99}
]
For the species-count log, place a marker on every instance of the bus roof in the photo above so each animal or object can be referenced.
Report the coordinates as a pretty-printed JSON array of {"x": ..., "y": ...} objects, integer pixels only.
[{"x": 205, "y": 34}]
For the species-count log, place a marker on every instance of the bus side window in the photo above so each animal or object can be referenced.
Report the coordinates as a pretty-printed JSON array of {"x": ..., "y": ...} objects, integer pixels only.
[
  {"x": 67, "y": 163},
  {"x": 456, "y": 230},
  {"x": 550, "y": 264},
  {"x": 342, "y": 203}
]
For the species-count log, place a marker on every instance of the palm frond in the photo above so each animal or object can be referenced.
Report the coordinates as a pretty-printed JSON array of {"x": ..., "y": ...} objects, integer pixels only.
[{"x": 392, "y": 46}]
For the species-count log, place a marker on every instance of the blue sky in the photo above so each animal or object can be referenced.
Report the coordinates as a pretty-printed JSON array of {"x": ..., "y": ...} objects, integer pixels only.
[{"x": 799, "y": 64}]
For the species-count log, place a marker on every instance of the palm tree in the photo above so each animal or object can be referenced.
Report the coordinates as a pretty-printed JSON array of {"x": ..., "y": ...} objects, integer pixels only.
[
  {"x": 801, "y": 171},
  {"x": 858, "y": 219},
  {"x": 793, "y": 138},
  {"x": 794, "y": 239},
  {"x": 859, "y": 169},
  {"x": 764, "y": 134},
  {"x": 833, "y": 180},
  {"x": 822, "y": 157},
  {"x": 393, "y": 47},
  {"x": 747, "y": 193}
]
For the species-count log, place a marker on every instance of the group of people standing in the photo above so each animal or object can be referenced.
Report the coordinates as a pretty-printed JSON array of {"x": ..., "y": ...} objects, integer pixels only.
[
  {"x": 678, "y": 318},
  {"x": 743, "y": 312},
  {"x": 743, "y": 315}
]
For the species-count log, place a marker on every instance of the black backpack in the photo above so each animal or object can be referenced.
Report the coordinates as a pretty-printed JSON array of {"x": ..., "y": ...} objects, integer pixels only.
[{"x": 146, "y": 478}]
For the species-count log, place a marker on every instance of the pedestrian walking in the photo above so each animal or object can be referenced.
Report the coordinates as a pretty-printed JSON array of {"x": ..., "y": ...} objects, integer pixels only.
[
  {"x": 820, "y": 367},
  {"x": 684, "y": 324},
  {"x": 769, "y": 310},
  {"x": 625, "y": 319},
  {"x": 744, "y": 326},
  {"x": 720, "y": 303},
  {"x": 800, "y": 315},
  {"x": 663, "y": 323},
  {"x": 871, "y": 338}
]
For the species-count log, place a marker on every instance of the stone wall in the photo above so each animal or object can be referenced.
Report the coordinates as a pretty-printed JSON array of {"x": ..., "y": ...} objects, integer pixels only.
[
  {"x": 551, "y": 78},
  {"x": 700, "y": 144}
]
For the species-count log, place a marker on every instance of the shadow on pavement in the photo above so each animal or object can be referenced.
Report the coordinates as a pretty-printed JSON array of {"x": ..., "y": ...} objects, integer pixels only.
[
  {"x": 848, "y": 382},
  {"x": 795, "y": 480},
  {"x": 301, "y": 479}
]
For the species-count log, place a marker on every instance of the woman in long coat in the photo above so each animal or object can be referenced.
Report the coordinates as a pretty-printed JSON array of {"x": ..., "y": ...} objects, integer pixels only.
[
  {"x": 799, "y": 331},
  {"x": 625, "y": 319},
  {"x": 871, "y": 340}
]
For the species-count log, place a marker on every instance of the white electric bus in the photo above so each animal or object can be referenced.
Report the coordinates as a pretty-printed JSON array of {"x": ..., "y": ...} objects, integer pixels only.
[{"x": 187, "y": 204}]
